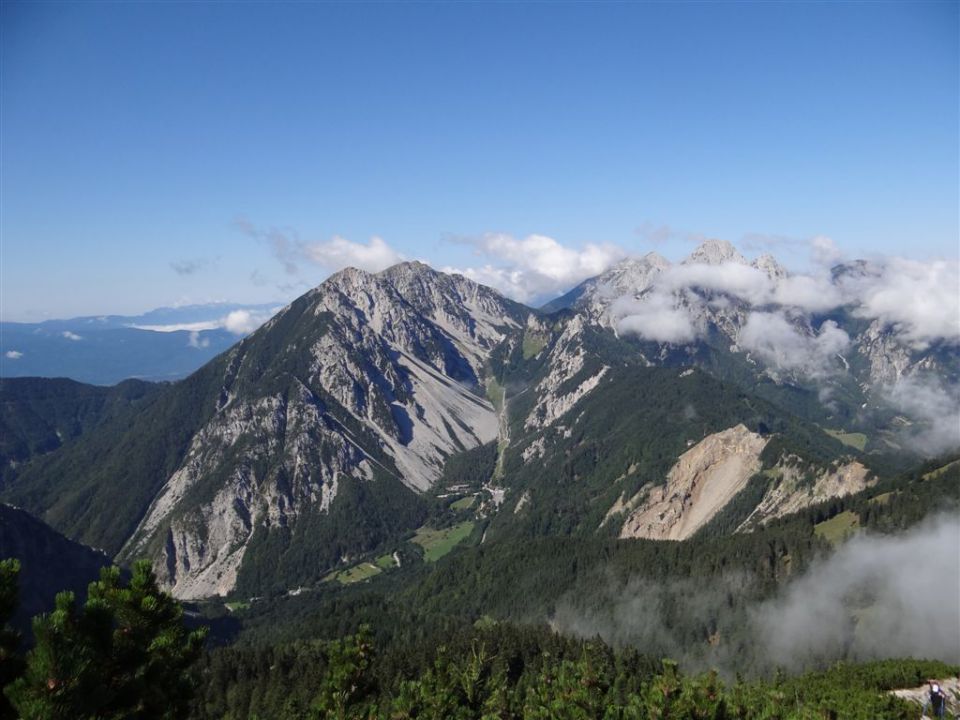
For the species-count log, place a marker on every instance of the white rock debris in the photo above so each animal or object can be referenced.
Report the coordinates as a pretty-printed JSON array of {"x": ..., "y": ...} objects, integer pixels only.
[{"x": 704, "y": 479}]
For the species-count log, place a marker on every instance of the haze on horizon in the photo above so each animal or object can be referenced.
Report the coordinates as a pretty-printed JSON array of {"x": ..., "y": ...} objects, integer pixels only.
[{"x": 160, "y": 154}]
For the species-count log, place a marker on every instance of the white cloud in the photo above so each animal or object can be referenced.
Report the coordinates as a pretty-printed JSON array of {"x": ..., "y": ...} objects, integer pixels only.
[
  {"x": 71, "y": 335},
  {"x": 825, "y": 251},
  {"x": 920, "y": 301},
  {"x": 655, "y": 317},
  {"x": 732, "y": 278},
  {"x": 813, "y": 294},
  {"x": 243, "y": 322},
  {"x": 331, "y": 255},
  {"x": 934, "y": 405},
  {"x": 536, "y": 267},
  {"x": 239, "y": 322},
  {"x": 192, "y": 327},
  {"x": 339, "y": 252},
  {"x": 906, "y": 583},
  {"x": 196, "y": 341},
  {"x": 14, "y": 354},
  {"x": 780, "y": 344}
]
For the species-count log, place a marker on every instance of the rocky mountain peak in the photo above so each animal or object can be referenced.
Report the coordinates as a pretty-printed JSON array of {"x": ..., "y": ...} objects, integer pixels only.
[
  {"x": 715, "y": 252},
  {"x": 854, "y": 270},
  {"x": 345, "y": 280},
  {"x": 771, "y": 266},
  {"x": 409, "y": 269},
  {"x": 634, "y": 274}
]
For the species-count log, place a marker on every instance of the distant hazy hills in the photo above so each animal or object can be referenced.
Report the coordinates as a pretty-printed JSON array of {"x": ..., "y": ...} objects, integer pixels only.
[{"x": 163, "y": 344}]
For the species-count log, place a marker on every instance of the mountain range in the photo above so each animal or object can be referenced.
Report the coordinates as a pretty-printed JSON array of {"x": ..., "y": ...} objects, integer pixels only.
[{"x": 656, "y": 400}]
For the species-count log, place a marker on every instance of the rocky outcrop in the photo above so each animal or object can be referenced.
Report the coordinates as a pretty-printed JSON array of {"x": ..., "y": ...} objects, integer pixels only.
[
  {"x": 795, "y": 488},
  {"x": 704, "y": 479},
  {"x": 567, "y": 366}
]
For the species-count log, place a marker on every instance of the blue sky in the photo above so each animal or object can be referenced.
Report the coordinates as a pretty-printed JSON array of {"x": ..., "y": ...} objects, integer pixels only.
[{"x": 159, "y": 153}]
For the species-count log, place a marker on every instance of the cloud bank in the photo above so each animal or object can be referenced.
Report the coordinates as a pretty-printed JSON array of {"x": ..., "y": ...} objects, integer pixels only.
[
  {"x": 934, "y": 406},
  {"x": 238, "y": 322},
  {"x": 537, "y": 267},
  {"x": 657, "y": 317},
  {"x": 918, "y": 301},
  {"x": 875, "y": 597},
  {"x": 779, "y": 344}
]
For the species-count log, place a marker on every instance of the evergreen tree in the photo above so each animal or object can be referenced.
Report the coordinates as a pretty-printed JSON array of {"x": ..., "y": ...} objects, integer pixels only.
[
  {"x": 11, "y": 665},
  {"x": 124, "y": 654}
]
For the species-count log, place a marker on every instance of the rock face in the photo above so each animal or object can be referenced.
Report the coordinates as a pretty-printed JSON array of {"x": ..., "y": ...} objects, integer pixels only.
[
  {"x": 702, "y": 482},
  {"x": 793, "y": 491},
  {"x": 571, "y": 377}
]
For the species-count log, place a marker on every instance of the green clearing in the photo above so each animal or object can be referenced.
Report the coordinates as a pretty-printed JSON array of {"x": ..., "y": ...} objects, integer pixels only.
[
  {"x": 463, "y": 503},
  {"x": 355, "y": 574},
  {"x": 838, "y": 528},
  {"x": 385, "y": 562},
  {"x": 933, "y": 474},
  {"x": 237, "y": 605},
  {"x": 881, "y": 499},
  {"x": 532, "y": 345},
  {"x": 854, "y": 440},
  {"x": 495, "y": 393},
  {"x": 502, "y": 446},
  {"x": 437, "y": 543}
]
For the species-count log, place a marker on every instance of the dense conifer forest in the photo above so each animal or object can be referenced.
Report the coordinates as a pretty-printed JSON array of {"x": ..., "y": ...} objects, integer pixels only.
[{"x": 477, "y": 634}]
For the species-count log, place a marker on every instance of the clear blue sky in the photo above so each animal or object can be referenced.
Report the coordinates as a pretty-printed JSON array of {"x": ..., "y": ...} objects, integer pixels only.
[{"x": 134, "y": 135}]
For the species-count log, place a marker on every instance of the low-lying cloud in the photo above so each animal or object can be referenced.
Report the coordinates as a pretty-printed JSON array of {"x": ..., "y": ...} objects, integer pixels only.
[
  {"x": 731, "y": 278},
  {"x": 238, "y": 322},
  {"x": 656, "y": 317},
  {"x": 875, "y": 597},
  {"x": 934, "y": 405},
  {"x": 920, "y": 301},
  {"x": 13, "y": 354},
  {"x": 195, "y": 340},
  {"x": 71, "y": 335},
  {"x": 781, "y": 345}
]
